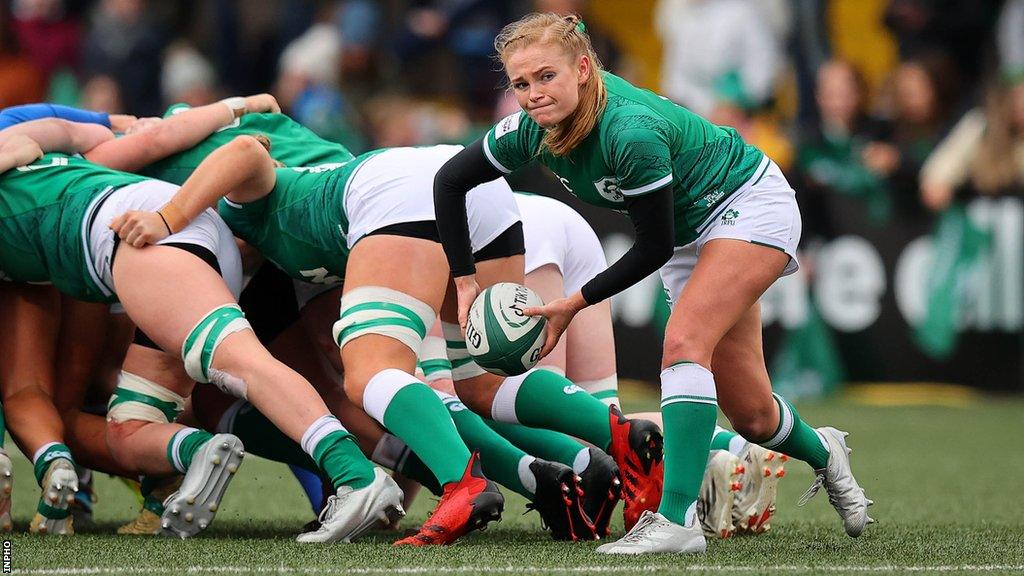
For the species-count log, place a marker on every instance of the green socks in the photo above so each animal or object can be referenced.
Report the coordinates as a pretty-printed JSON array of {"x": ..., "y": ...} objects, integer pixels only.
[
  {"x": 184, "y": 445},
  {"x": 412, "y": 412},
  {"x": 262, "y": 438},
  {"x": 543, "y": 399},
  {"x": 727, "y": 440},
  {"x": 501, "y": 461},
  {"x": 336, "y": 453},
  {"x": 546, "y": 444},
  {"x": 795, "y": 438},
  {"x": 689, "y": 407},
  {"x": 47, "y": 454}
]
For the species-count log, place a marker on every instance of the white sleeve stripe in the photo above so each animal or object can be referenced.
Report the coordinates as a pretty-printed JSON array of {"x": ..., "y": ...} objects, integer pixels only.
[
  {"x": 232, "y": 204},
  {"x": 652, "y": 186},
  {"x": 493, "y": 160}
]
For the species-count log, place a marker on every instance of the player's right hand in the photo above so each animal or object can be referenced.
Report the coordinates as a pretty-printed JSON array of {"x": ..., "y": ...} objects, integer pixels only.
[
  {"x": 139, "y": 228},
  {"x": 258, "y": 103},
  {"x": 467, "y": 290}
]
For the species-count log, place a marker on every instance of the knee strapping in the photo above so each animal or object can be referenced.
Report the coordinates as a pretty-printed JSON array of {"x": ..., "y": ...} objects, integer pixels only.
[
  {"x": 386, "y": 312},
  {"x": 463, "y": 365},
  {"x": 433, "y": 361},
  {"x": 201, "y": 344},
  {"x": 136, "y": 398}
]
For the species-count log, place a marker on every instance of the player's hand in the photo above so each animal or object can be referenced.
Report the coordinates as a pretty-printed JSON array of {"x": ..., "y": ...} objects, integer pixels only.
[
  {"x": 559, "y": 313},
  {"x": 142, "y": 124},
  {"x": 138, "y": 228},
  {"x": 258, "y": 103},
  {"x": 21, "y": 150},
  {"x": 467, "y": 290},
  {"x": 121, "y": 122}
]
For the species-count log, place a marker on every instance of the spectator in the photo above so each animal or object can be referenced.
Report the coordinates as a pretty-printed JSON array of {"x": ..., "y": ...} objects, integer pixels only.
[
  {"x": 714, "y": 48},
  {"x": 124, "y": 43},
  {"x": 1010, "y": 38},
  {"x": 831, "y": 154},
  {"x": 20, "y": 81},
  {"x": 924, "y": 91},
  {"x": 985, "y": 151},
  {"x": 47, "y": 34},
  {"x": 188, "y": 77},
  {"x": 102, "y": 94}
]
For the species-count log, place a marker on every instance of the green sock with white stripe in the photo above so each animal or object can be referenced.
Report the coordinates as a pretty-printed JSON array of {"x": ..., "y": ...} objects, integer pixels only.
[
  {"x": 795, "y": 438},
  {"x": 336, "y": 453},
  {"x": 500, "y": 459},
  {"x": 727, "y": 440},
  {"x": 262, "y": 438},
  {"x": 45, "y": 456},
  {"x": 412, "y": 411},
  {"x": 542, "y": 399},
  {"x": 689, "y": 407},
  {"x": 183, "y": 447},
  {"x": 546, "y": 444}
]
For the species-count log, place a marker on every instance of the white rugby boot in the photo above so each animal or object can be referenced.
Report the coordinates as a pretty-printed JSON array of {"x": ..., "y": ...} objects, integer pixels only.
[
  {"x": 59, "y": 486},
  {"x": 6, "y": 484},
  {"x": 717, "y": 494},
  {"x": 653, "y": 533},
  {"x": 755, "y": 502},
  {"x": 190, "y": 510},
  {"x": 351, "y": 513},
  {"x": 845, "y": 495}
]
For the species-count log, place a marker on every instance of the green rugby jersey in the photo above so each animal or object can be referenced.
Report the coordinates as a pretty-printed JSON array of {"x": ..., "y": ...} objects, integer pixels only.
[
  {"x": 301, "y": 225},
  {"x": 45, "y": 212},
  {"x": 291, "y": 143},
  {"x": 641, "y": 143}
]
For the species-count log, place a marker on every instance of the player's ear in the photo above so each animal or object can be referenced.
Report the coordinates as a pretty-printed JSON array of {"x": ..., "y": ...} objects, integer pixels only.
[{"x": 584, "y": 68}]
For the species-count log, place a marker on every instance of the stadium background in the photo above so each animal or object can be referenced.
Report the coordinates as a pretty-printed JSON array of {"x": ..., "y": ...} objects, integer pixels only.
[
  {"x": 875, "y": 301},
  {"x": 872, "y": 303}
]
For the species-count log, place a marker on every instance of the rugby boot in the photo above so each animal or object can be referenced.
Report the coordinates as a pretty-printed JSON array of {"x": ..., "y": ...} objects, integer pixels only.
[
  {"x": 190, "y": 510},
  {"x": 6, "y": 485},
  {"x": 718, "y": 494},
  {"x": 350, "y": 513},
  {"x": 653, "y": 533},
  {"x": 466, "y": 505},
  {"x": 558, "y": 499},
  {"x": 845, "y": 495},
  {"x": 53, "y": 516},
  {"x": 755, "y": 502},
  {"x": 602, "y": 490},
  {"x": 153, "y": 492},
  {"x": 637, "y": 446}
]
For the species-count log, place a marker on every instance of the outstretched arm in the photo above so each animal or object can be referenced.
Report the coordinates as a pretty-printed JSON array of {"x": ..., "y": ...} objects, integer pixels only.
[
  {"x": 241, "y": 169},
  {"x": 177, "y": 133},
  {"x": 18, "y": 150},
  {"x": 26, "y": 112},
  {"x": 54, "y": 135}
]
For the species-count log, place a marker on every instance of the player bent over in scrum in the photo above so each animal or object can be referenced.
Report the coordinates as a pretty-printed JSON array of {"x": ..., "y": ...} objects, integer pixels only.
[{"x": 175, "y": 294}]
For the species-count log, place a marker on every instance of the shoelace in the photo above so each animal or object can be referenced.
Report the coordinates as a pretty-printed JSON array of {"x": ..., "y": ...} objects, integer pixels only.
[
  {"x": 333, "y": 502},
  {"x": 646, "y": 522},
  {"x": 819, "y": 481}
]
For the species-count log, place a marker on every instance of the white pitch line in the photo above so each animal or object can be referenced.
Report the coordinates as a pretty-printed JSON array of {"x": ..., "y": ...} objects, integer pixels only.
[{"x": 519, "y": 569}]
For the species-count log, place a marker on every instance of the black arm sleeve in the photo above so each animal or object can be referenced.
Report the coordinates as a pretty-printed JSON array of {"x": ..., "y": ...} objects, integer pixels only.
[
  {"x": 463, "y": 172},
  {"x": 653, "y": 221}
]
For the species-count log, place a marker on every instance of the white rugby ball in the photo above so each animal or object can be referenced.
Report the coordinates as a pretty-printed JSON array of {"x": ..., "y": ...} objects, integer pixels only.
[{"x": 499, "y": 337}]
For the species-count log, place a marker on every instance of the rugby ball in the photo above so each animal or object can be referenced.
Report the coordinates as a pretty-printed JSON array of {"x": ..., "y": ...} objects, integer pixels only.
[{"x": 499, "y": 337}]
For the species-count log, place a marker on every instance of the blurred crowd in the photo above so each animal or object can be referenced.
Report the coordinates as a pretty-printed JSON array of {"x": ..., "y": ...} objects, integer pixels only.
[{"x": 942, "y": 119}]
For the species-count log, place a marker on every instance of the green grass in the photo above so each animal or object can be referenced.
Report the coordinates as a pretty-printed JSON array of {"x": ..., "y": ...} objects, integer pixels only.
[{"x": 946, "y": 482}]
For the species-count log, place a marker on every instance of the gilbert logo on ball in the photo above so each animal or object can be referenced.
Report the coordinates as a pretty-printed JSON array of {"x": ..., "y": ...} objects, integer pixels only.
[{"x": 499, "y": 337}]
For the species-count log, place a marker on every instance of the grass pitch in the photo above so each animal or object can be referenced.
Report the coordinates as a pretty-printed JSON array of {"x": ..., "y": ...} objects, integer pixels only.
[{"x": 946, "y": 481}]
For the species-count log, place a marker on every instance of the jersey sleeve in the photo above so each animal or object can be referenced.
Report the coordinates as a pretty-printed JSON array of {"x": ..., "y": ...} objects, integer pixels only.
[
  {"x": 245, "y": 220},
  {"x": 638, "y": 150},
  {"x": 27, "y": 112},
  {"x": 175, "y": 109},
  {"x": 512, "y": 142}
]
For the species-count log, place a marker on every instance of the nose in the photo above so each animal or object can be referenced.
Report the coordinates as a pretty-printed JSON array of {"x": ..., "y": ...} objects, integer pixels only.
[{"x": 535, "y": 94}]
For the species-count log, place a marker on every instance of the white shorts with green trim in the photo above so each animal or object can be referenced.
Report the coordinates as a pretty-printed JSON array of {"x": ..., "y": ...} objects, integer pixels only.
[
  {"x": 763, "y": 211},
  {"x": 556, "y": 234}
]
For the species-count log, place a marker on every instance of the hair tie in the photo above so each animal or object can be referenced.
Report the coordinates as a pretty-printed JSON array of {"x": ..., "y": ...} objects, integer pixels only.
[{"x": 581, "y": 27}]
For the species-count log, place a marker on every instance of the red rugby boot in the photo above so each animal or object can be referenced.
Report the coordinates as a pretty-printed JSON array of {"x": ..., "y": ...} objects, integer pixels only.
[
  {"x": 466, "y": 505},
  {"x": 637, "y": 446}
]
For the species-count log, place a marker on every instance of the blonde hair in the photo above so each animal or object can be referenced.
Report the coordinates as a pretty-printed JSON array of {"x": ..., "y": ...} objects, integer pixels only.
[{"x": 569, "y": 33}]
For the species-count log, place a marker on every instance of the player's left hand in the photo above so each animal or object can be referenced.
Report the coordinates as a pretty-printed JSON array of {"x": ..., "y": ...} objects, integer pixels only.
[
  {"x": 559, "y": 313},
  {"x": 121, "y": 122},
  {"x": 467, "y": 289},
  {"x": 139, "y": 228}
]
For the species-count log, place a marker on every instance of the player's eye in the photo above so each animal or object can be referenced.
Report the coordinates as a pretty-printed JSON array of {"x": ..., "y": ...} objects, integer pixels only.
[
  {"x": 519, "y": 86},
  {"x": 547, "y": 76}
]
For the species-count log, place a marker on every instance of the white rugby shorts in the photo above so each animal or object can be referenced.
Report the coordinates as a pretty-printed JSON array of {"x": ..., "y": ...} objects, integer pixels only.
[{"x": 557, "y": 234}]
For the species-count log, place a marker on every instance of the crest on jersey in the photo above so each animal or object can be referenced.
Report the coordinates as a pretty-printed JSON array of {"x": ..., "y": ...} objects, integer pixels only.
[
  {"x": 507, "y": 124},
  {"x": 608, "y": 188}
]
